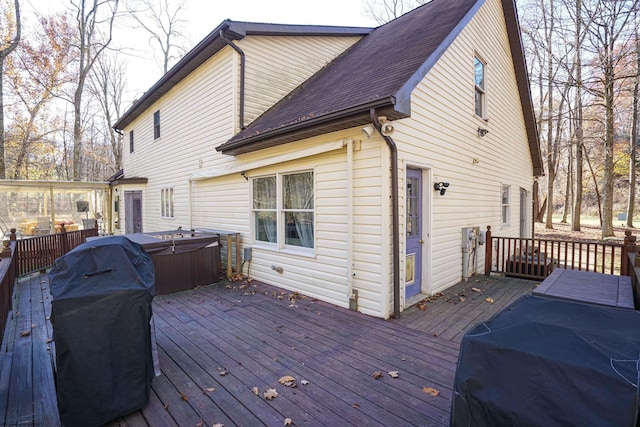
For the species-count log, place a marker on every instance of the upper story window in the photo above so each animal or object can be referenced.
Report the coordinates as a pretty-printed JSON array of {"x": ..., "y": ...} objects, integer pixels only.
[
  {"x": 480, "y": 81},
  {"x": 283, "y": 210},
  {"x": 166, "y": 202},
  {"x": 131, "y": 141},
  {"x": 506, "y": 205},
  {"x": 156, "y": 125}
]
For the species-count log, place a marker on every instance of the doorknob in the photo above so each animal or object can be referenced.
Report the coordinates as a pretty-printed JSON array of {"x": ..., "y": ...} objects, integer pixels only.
[{"x": 421, "y": 241}]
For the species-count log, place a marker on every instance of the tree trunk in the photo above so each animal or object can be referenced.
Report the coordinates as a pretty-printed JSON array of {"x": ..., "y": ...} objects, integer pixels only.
[
  {"x": 579, "y": 137},
  {"x": 3, "y": 54},
  {"x": 633, "y": 143},
  {"x": 551, "y": 155}
]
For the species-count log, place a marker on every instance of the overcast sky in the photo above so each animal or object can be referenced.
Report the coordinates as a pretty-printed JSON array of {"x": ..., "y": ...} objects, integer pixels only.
[{"x": 204, "y": 15}]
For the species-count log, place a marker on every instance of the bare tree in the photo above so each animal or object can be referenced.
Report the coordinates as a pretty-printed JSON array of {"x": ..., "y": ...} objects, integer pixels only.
[
  {"x": 8, "y": 43},
  {"x": 633, "y": 140},
  {"x": 161, "y": 20},
  {"x": 383, "y": 11},
  {"x": 95, "y": 20},
  {"x": 610, "y": 19},
  {"x": 108, "y": 83}
]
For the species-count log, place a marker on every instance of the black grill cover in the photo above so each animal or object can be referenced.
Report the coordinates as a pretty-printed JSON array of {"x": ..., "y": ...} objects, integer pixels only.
[
  {"x": 547, "y": 362},
  {"x": 101, "y": 308}
]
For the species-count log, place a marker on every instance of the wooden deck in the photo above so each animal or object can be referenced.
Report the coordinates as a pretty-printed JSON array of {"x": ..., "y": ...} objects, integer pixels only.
[{"x": 217, "y": 343}]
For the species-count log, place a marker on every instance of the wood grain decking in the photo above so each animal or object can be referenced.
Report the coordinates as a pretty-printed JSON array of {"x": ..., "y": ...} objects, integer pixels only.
[{"x": 216, "y": 343}]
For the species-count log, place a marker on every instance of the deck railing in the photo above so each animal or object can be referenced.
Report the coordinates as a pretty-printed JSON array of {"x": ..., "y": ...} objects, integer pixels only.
[
  {"x": 7, "y": 279},
  {"x": 536, "y": 258},
  {"x": 38, "y": 253}
]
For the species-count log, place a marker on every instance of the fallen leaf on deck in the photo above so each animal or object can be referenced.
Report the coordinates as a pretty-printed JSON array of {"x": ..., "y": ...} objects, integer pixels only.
[
  {"x": 218, "y": 425},
  {"x": 422, "y": 306},
  {"x": 489, "y": 300},
  {"x": 287, "y": 381},
  {"x": 200, "y": 424},
  {"x": 210, "y": 389},
  {"x": 287, "y": 421},
  {"x": 461, "y": 299},
  {"x": 255, "y": 391},
  {"x": 25, "y": 333},
  {"x": 394, "y": 374},
  {"x": 430, "y": 390},
  {"x": 304, "y": 382},
  {"x": 355, "y": 405},
  {"x": 270, "y": 394},
  {"x": 476, "y": 290},
  {"x": 377, "y": 374},
  {"x": 184, "y": 396}
]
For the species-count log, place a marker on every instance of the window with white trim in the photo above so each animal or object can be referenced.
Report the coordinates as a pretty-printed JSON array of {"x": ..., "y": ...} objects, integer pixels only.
[
  {"x": 479, "y": 84},
  {"x": 283, "y": 210},
  {"x": 156, "y": 125},
  {"x": 166, "y": 202},
  {"x": 505, "y": 204}
]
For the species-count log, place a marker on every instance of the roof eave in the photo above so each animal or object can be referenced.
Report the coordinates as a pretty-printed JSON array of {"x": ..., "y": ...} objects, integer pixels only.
[
  {"x": 522, "y": 80},
  {"x": 358, "y": 115},
  {"x": 212, "y": 44}
]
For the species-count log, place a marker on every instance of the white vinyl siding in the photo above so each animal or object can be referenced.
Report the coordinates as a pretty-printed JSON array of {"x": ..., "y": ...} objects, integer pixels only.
[
  {"x": 226, "y": 203},
  {"x": 277, "y": 65},
  {"x": 475, "y": 167}
]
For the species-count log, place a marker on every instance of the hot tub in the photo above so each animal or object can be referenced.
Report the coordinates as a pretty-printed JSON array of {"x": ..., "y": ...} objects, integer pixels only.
[{"x": 182, "y": 259}]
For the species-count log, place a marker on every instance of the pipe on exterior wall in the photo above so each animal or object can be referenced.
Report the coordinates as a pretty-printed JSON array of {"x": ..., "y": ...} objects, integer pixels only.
[
  {"x": 395, "y": 214},
  {"x": 350, "y": 294},
  {"x": 190, "y": 195},
  {"x": 242, "y": 73}
]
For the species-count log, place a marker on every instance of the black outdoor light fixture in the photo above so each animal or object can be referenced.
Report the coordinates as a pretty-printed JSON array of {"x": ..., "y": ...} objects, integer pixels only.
[
  {"x": 441, "y": 187},
  {"x": 482, "y": 132}
]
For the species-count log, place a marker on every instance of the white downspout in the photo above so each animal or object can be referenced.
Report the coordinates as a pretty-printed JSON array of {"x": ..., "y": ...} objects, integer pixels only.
[
  {"x": 353, "y": 296},
  {"x": 189, "y": 205}
]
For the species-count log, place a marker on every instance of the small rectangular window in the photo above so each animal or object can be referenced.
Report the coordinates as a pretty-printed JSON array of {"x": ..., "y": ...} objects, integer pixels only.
[
  {"x": 479, "y": 80},
  {"x": 166, "y": 202},
  {"x": 506, "y": 205},
  {"x": 131, "y": 141},
  {"x": 156, "y": 125}
]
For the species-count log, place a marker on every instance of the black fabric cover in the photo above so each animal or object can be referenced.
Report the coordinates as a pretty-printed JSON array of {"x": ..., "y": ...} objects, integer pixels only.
[
  {"x": 548, "y": 362},
  {"x": 101, "y": 308}
]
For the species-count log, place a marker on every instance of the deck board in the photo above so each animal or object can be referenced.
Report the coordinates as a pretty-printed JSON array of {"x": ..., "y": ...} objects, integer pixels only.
[{"x": 258, "y": 334}]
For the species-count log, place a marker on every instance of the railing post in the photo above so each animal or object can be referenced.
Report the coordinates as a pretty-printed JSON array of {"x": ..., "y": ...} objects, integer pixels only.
[
  {"x": 65, "y": 244},
  {"x": 628, "y": 246},
  {"x": 13, "y": 237},
  {"x": 488, "y": 251}
]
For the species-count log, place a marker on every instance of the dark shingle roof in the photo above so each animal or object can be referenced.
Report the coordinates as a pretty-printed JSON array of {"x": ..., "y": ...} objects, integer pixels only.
[{"x": 380, "y": 70}]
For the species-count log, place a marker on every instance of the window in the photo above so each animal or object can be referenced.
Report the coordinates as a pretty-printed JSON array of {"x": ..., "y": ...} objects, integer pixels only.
[
  {"x": 166, "y": 202},
  {"x": 479, "y": 77},
  {"x": 131, "y": 141},
  {"x": 283, "y": 210},
  {"x": 156, "y": 125},
  {"x": 506, "y": 204}
]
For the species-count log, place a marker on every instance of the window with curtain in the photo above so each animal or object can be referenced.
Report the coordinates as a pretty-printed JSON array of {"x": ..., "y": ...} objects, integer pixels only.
[
  {"x": 166, "y": 202},
  {"x": 479, "y": 78},
  {"x": 283, "y": 209},
  {"x": 506, "y": 204}
]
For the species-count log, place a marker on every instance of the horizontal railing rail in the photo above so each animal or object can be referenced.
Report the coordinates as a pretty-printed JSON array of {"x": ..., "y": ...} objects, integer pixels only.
[{"x": 536, "y": 258}]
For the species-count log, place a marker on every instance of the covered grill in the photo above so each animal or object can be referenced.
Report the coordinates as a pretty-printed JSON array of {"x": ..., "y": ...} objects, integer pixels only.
[{"x": 101, "y": 309}]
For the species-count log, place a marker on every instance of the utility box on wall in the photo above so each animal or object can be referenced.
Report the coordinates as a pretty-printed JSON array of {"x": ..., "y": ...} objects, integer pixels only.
[{"x": 470, "y": 243}]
